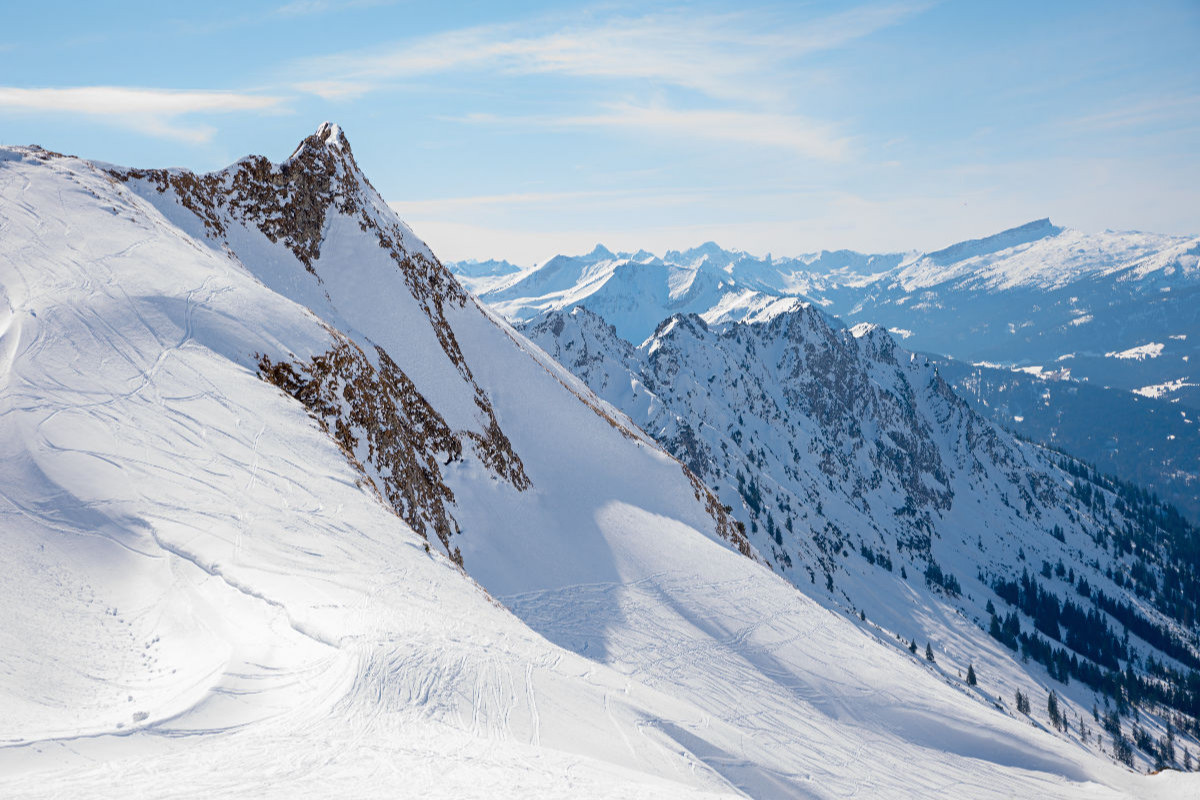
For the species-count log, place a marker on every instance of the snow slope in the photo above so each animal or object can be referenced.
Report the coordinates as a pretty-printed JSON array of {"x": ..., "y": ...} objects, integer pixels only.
[
  {"x": 246, "y": 413},
  {"x": 866, "y": 481}
]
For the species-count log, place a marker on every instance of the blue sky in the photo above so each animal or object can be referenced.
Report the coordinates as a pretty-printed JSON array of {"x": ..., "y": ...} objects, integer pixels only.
[{"x": 522, "y": 129}]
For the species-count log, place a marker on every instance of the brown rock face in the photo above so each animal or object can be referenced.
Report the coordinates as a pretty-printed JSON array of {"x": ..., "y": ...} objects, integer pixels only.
[{"x": 390, "y": 432}]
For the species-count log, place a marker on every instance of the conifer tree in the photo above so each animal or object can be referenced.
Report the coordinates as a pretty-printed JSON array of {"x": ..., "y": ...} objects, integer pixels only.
[
  {"x": 912, "y": 647},
  {"x": 1052, "y": 710},
  {"x": 1166, "y": 746},
  {"x": 928, "y": 652},
  {"x": 971, "y": 679}
]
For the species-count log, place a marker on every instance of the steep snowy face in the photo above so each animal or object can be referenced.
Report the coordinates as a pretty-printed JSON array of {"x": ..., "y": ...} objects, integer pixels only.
[
  {"x": 799, "y": 422},
  {"x": 861, "y": 476}
]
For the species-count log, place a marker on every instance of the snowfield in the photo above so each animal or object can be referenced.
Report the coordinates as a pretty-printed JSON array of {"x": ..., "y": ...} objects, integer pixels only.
[
  {"x": 1162, "y": 389},
  {"x": 1139, "y": 353},
  {"x": 214, "y": 587}
]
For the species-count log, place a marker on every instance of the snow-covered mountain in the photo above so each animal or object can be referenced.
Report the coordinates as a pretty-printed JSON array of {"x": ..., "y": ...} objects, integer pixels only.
[
  {"x": 1115, "y": 308},
  {"x": 483, "y": 274},
  {"x": 862, "y": 477},
  {"x": 1109, "y": 310},
  {"x": 633, "y": 291},
  {"x": 245, "y": 414}
]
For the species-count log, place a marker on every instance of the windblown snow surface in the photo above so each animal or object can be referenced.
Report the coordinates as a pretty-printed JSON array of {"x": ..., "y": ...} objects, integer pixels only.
[{"x": 205, "y": 595}]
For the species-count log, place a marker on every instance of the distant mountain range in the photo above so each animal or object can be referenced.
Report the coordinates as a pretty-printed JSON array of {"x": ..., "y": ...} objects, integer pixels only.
[{"x": 1117, "y": 310}]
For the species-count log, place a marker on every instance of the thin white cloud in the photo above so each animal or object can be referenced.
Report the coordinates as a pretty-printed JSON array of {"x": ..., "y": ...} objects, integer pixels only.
[
  {"x": 153, "y": 111},
  {"x": 334, "y": 90},
  {"x": 740, "y": 68},
  {"x": 730, "y": 56},
  {"x": 1141, "y": 112},
  {"x": 840, "y": 29},
  {"x": 126, "y": 100},
  {"x": 802, "y": 136},
  {"x": 789, "y": 132},
  {"x": 304, "y": 8}
]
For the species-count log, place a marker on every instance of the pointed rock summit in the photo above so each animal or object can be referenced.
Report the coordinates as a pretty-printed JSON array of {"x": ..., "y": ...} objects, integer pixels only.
[
  {"x": 328, "y": 137},
  {"x": 290, "y": 201},
  {"x": 333, "y": 134}
]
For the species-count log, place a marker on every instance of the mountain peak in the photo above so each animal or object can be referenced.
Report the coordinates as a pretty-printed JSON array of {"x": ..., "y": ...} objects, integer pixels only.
[
  {"x": 710, "y": 249},
  {"x": 332, "y": 134},
  {"x": 1022, "y": 234},
  {"x": 328, "y": 140},
  {"x": 600, "y": 253}
]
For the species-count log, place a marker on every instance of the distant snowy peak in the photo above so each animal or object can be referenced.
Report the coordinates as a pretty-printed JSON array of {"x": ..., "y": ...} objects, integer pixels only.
[
  {"x": 1038, "y": 256},
  {"x": 600, "y": 253},
  {"x": 971, "y": 248},
  {"x": 492, "y": 268},
  {"x": 709, "y": 251},
  {"x": 634, "y": 292},
  {"x": 1043, "y": 256}
]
